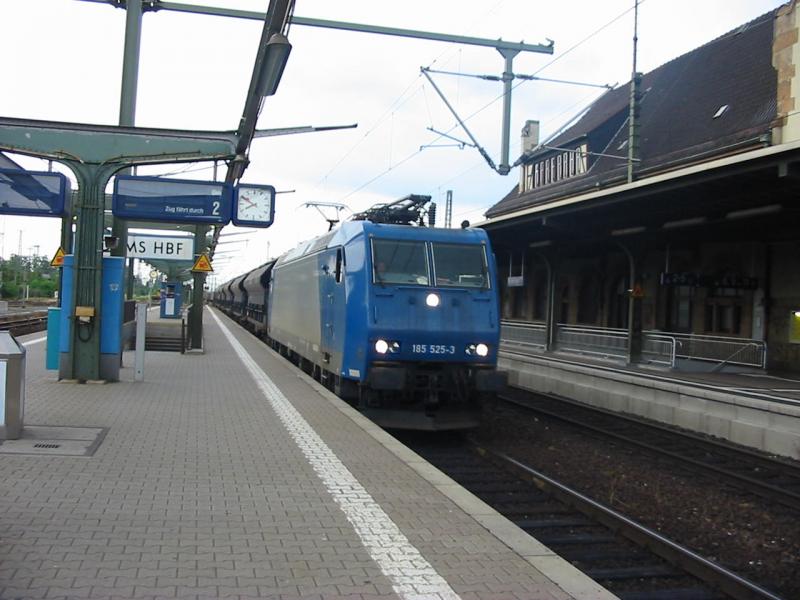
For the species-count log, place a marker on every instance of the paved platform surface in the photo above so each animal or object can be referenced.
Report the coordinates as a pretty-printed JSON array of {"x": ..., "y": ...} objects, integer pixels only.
[
  {"x": 777, "y": 386},
  {"x": 231, "y": 475}
]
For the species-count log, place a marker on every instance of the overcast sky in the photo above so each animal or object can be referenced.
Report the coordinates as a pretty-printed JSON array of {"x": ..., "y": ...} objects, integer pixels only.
[{"x": 62, "y": 61}]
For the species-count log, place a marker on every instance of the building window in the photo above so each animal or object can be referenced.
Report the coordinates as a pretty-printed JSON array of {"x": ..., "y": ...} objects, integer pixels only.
[
  {"x": 588, "y": 299},
  {"x": 580, "y": 159},
  {"x": 563, "y": 313},
  {"x": 540, "y": 295},
  {"x": 563, "y": 165},
  {"x": 619, "y": 297},
  {"x": 723, "y": 316},
  {"x": 679, "y": 311}
]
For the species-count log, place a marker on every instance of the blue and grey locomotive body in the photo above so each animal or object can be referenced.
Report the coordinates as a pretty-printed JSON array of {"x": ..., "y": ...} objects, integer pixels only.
[{"x": 401, "y": 320}]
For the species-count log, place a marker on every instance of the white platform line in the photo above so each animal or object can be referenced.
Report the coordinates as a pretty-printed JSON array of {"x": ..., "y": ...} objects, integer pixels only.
[{"x": 412, "y": 577}]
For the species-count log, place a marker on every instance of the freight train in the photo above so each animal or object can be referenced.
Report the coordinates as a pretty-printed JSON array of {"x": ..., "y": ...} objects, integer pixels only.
[{"x": 400, "y": 319}]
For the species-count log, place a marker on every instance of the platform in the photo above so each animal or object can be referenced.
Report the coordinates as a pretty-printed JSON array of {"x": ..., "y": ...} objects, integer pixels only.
[
  {"x": 232, "y": 475},
  {"x": 755, "y": 409}
]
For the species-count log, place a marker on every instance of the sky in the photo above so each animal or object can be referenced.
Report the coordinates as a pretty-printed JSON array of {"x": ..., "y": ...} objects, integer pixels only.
[{"x": 62, "y": 61}]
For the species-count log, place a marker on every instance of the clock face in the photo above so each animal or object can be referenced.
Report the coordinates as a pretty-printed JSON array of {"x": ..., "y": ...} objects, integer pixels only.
[{"x": 254, "y": 205}]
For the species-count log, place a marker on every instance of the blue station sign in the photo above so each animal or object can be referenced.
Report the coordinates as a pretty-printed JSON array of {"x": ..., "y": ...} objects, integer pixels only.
[
  {"x": 172, "y": 200},
  {"x": 33, "y": 193}
]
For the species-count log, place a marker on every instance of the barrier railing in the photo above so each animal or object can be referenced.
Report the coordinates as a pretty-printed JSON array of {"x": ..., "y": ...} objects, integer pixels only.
[
  {"x": 523, "y": 335},
  {"x": 658, "y": 347},
  {"x": 724, "y": 350},
  {"x": 602, "y": 342}
]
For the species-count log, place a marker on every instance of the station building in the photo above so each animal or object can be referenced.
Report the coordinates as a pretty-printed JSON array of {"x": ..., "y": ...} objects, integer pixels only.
[{"x": 675, "y": 240}]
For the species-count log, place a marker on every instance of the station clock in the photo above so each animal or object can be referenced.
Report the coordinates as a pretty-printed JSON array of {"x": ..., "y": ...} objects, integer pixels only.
[{"x": 254, "y": 205}]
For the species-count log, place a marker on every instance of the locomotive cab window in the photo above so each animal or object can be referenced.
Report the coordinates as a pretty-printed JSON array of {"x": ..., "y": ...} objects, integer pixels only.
[
  {"x": 460, "y": 265},
  {"x": 399, "y": 262}
]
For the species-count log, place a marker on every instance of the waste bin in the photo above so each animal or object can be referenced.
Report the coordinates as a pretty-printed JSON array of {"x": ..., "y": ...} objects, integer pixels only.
[{"x": 12, "y": 386}]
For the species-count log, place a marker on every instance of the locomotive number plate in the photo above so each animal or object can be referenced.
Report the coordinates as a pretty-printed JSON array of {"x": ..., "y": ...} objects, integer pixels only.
[{"x": 432, "y": 349}]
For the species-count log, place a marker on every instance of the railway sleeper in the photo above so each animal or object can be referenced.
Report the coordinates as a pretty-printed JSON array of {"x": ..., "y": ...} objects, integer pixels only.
[
  {"x": 490, "y": 487},
  {"x": 671, "y": 594},
  {"x": 637, "y": 572},
  {"x": 554, "y": 523},
  {"x": 504, "y": 498},
  {"x": 609, "y": 555},
  {"x": 561, "y": 539}
]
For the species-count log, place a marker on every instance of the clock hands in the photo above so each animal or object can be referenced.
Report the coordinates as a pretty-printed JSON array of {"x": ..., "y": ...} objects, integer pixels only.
[{"x": 254, "y": 206}]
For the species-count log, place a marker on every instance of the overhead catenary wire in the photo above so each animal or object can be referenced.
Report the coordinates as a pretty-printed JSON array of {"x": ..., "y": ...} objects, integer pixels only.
[
  {"x": 520, "y": 76},
  {"x": 494, "y": 100},
  {"x": 400, "y": 101}
]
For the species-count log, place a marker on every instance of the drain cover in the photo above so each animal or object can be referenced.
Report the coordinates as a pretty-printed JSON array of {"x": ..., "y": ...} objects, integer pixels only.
[{"x": 47, "y": 445}]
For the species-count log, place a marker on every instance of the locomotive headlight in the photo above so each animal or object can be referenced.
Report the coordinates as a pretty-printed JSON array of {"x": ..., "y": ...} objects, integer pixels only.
[
  {"x": 477, "y": 349},
  {"x": 382, "y": 347},
  {"x": 432, "y": 300}
]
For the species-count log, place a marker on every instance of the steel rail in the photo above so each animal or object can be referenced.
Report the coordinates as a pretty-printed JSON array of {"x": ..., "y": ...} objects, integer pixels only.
[
  {"x": 23, "y": 326},
  {"x": 763, "y": 489},
  {"x": 727, "y": 581}
]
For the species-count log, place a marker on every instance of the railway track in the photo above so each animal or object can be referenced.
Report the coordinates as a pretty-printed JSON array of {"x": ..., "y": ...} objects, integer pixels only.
[
  {"x": 22, "y": 323},
  {"x": 628, "y": 559},
  {"x": 772, "y": 478}
]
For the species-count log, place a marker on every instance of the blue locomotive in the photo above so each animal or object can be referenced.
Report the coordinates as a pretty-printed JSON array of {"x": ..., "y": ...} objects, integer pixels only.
[{"x": 401, "y": 320}]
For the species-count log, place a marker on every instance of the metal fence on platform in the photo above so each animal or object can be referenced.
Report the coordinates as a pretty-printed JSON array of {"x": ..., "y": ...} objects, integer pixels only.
[
  {"x": 723, "y": 350},
  {"x": 602, "y": 342},
  {"x": 658, "y": 347},
  {"x": 523, "y": 335}
]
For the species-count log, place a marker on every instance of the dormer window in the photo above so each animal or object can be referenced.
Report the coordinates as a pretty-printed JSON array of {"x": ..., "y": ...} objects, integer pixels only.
[
  {"x": 721, "y": 111},
  {"x": 562, "y": 164}
]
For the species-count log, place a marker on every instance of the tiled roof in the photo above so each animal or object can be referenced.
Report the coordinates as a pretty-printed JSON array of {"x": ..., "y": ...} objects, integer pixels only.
[{"x": 677, "y": 125}]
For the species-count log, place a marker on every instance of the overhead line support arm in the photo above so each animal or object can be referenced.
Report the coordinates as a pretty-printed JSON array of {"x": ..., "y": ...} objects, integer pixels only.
[
  {"x": 358, "y": 27},
  {"x": 480, "y": 148}
]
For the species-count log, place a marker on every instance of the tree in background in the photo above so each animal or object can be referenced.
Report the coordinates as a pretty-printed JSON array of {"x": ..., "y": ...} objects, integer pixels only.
[
  {"x": 31, "y": 273},
  {"x": 35, "y": 274}
]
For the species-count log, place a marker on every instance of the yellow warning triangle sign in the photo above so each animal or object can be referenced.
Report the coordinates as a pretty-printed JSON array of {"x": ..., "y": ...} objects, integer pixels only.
[
  {"x": 202, "y": 265},
  {"x": 58, "y": 259}
]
